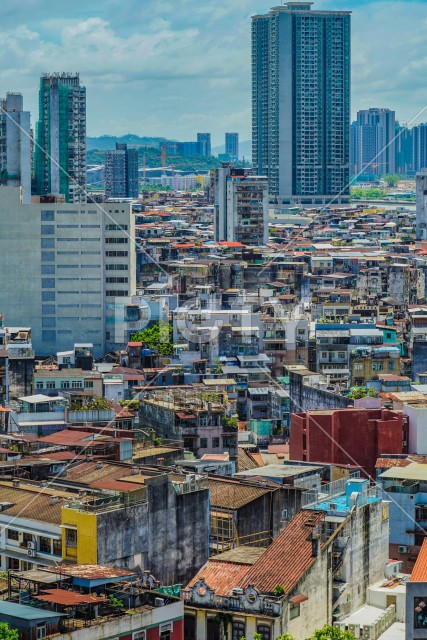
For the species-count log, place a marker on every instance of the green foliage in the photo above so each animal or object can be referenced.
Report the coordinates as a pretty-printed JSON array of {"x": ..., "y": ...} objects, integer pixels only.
[
  {"x": 328, "y": 632},
  {"x": 94, "y": 404},
  {"x": 157, "y": 442},
  {"x": 391, "y": 179},
  {"x": 116, "y": 604},
  {"x": 356, "y": 393},
  {"x": 6, "y": 633},
  {"x": 372, "y": 193},
  {"x": 257, "y": 636},
  {"x": 229, "y": 423},
  {"x": 159, "y": 337},
  {"x": 279, "y": 590}
]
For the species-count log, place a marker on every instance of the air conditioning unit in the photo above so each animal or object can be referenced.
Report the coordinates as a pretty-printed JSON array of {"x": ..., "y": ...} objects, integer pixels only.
[
  {"x": 159, "y": 602},
  {"x": 31, "y": 545},
  {"x": 237, "y": 591},
  {"x": 403, "y": 549},
  {"x": 31, "y": 553}
]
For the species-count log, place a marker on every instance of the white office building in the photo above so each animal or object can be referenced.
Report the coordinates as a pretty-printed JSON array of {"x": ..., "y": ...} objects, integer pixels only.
[{"x": 68, "y": 271}]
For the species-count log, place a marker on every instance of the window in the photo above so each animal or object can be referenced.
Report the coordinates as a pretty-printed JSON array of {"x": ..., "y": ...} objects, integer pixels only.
[
  {"x": 294, "y": 611},
  {"x": 41, "y": 630},
  {"x": 48, "y": 322},
  {"x": 264, "y": 631},
  {"x": 48, "y": 256},
  {"x": 12, "y": 534},
  {"x": 57, "y": 547},
  {"x": 116, "y": 227},
  {"x": 138, "y": 635},
  {"x": 45, "y": 546},
  {"x": 89, "y": 384},
  {"x": 39, "y": 385},
  {"x": 71, "y": 538},
  {"x": 215, "y": 443},
  {"x": 47, "y": 216},
  {"x": 48, "y": 283},
  {"x": 48, "y": 309},
  {"x": 50, "y": 385},
  {"x": 48, "y": 296},
  {"x": 120, "y": 240},
  {"x": 358, "y": 366},
  {"x": 119, "y": 279},
  {"x": 116, "y": 254},
  {"x": 116, "y": 293},
  {"x": 377, "y": 366},
  {"x": 76, "y": 384},
  {"x": 48, "y": 229},
  {"x": 390, "y": 365},
  {"x": 47, "y": 243},
  {"x": 237, "y": 630},
  {"x": 65, "y": 384},
  {"x": 203, "y": 443}
]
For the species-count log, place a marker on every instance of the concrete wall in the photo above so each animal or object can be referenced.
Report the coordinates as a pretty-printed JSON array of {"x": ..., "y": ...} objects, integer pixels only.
[
  {"x": 417, "y": 414},
  {"x": 128, "y": 546},
  {"x": 305, "y": 397},
  {"x": 178, "y": 531}
]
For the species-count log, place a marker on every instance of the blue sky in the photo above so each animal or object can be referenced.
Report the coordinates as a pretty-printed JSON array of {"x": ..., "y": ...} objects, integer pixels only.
[{"x": 172, "y": 68}]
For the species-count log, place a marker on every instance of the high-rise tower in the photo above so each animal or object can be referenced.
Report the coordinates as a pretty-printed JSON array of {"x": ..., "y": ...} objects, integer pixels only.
[
  {"x": 376, "y": 133},
  {"x": 301, "y": 102},
  {"x": 121, "y": 172},
  {"x": 60, "y": 153},
  {"x": 15, "y": 145}
]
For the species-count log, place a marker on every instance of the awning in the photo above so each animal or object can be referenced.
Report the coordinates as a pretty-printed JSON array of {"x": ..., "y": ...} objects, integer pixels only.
[{"x": 298, "y": 599}]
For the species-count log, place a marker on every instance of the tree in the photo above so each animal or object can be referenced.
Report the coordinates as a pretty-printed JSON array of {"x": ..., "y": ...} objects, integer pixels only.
[
  {"x": 6, "y": 633},
  {"x": 328, "y": 632},
  {"x": 159, "y": 336},
  {"x": 357, "y": 393},
  {"x": 391, "y": 179}
]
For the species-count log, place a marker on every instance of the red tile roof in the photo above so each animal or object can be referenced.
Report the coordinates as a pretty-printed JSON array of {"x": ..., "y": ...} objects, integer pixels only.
[
  {"x": 419, "y": 572},
  {"x": 389, "y": 463},
  {"x": 288, "y": 558},
  {"x": 221, "y": 576}
]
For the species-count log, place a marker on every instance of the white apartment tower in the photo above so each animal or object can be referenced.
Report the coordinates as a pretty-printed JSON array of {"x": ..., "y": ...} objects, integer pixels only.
[
  {"x": 15, "y": 145},
  {"x": 241, "y": 205}
]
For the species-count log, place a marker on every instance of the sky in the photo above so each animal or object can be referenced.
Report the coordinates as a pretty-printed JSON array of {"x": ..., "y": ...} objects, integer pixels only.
[{"x": 164, "y": 68}]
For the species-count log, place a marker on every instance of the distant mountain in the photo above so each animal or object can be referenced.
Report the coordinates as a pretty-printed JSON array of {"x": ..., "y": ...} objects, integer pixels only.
[
  {"x": 245, "y": 149},
  {"x": 102, "y": 143}
]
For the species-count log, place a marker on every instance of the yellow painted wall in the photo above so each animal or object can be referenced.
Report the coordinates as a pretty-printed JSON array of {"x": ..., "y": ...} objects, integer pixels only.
[{"x": 87, "y": 549}]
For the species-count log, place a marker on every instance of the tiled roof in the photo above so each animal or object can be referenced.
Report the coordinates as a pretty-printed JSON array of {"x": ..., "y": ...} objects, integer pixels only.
[
  {"x": 227, "y": 494},
  {"x": 288, "y": 557},
  {"x": 419, "y": 572},
  {"x": 221, "y": 576},
  {"x": 31, "y": 505},
  {"x": 245, "y": 460},
  {"x": 388, "y": 463}
]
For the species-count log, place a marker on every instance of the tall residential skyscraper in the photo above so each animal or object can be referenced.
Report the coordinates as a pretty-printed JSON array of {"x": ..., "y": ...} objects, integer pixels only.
[
  {"x": 376, "y": 132},
  {"x": 121, "y": 172},
  {"x": 232, "y": 146},
  {"x": 421, "y": 216},
  {"x": 60, "y": 154},
  {"x": 419, "y": 141},
  {"x": 301, "y": 102},
  {"x": 240, "y": 205},
  {"x": 15, "y": 145},
  {"x": 204, "y": 144},
  {"x": 404, "y": 150}
]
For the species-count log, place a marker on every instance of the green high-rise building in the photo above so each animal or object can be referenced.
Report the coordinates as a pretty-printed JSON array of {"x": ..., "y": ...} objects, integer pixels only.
[{"x": 60, "y": 149}]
